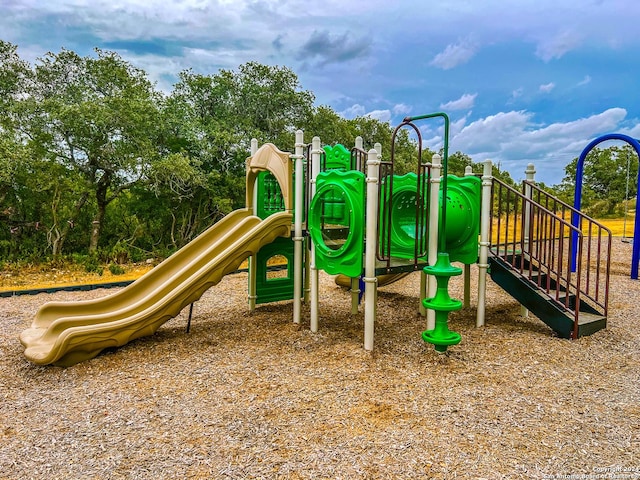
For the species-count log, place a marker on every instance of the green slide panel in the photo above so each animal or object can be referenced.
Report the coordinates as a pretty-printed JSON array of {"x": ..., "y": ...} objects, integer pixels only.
[
  {"x": 273, "y": 286},
  {"x": 336, "y": 222},
  {"x": 403, "y": 217},
  {"x": 337, "y": 158},
  {"x": 463, "y": 218},
  {"x": 269, "y": 195}
]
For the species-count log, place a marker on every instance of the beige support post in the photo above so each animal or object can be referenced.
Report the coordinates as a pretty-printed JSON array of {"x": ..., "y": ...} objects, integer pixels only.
[
  {"x": 307, "y": 270},
  {"x": 298, "y": 239},
  {"x": 434, "y": 221},
  {"x": 355, "y": 295},
  {"x": 370, "y": 279},
  {"x": 316, "y": 151},
  {"x": 378, "y": 148},
  {"x": 252, "y": 293},
  {"x": 485, "y": 242}
]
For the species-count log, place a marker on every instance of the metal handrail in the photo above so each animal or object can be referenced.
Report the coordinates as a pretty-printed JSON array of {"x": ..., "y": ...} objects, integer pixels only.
[
  {"x": 536, "y": 242},
  {"x": 597, "y": 289}
]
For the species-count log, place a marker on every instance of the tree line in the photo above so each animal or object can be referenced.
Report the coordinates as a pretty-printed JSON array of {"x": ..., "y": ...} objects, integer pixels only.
[{"x": 96, "y": 161}]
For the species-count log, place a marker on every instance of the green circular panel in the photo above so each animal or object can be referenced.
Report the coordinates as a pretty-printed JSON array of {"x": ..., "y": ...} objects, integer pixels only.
[
  {"x": 331, "y": 214},
  {"x": 458, "y": 214},
  {"x": 403, "y": 218}
]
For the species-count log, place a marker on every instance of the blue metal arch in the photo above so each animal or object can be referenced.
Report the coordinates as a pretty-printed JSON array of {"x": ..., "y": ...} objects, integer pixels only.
[{"x": 577, "y": 199}]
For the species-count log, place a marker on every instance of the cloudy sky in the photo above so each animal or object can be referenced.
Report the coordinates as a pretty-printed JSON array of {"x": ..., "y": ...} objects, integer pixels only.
[{"x": 522, "y": 81}]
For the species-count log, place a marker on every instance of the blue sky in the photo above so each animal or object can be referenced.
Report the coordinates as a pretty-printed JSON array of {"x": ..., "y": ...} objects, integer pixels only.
[{"x": 522, "y": 81}]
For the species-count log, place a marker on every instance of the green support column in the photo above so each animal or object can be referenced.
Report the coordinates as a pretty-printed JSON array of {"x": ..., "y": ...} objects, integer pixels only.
[{"x": 441, "y": 337}]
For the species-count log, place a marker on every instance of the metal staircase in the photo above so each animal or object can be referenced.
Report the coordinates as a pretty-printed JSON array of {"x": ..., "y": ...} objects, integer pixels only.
[{"x": 550, "y": 257}]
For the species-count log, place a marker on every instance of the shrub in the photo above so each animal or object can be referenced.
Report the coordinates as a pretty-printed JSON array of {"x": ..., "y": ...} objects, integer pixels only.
[
  {"x": 120, "y": 253},
  {"x": 116, "y": 269},
  {"x": 92, "y": 265}
]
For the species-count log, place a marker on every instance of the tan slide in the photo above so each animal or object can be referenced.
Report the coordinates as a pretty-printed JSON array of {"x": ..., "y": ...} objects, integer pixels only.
[{"x": 65, "y": 333}]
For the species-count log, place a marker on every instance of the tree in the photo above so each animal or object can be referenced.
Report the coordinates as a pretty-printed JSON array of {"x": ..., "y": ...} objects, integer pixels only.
[
  {"x": 222, "y": 112},
  {"x": 457, "y": 162},
  {"x": 210, "y": 121},
  {"x": 332, "y": 129},
  {"x": 269, "y": 102},
  {"x": 97, "y": 117},
  {"x": 14, "y": 158}
]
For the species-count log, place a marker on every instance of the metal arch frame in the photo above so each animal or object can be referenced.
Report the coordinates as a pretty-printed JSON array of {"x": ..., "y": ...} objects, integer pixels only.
[
  {"x": 577, "y": 199},
  {"x": 408, "y": 121}
]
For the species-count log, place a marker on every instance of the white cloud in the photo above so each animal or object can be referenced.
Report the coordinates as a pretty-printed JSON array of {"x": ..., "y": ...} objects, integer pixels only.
[
  {"x": 547, "y": 87},
  {"x": 517, "y": 93},
  {"x": 455, "y": 54},
  {"x": 585, "y": 81},
  {"x": 355, "y": 110},
  {"x": 433, "y": 143},
  {"x": 401, "y": 109},
  {"x": 382, "y": 115},
  {"x": 465, "y": 102},
  {"x": 633, "y": 132},
  {"x": 457, "y": 126},
  {"x": 489, "y": 133},
  {"x": 513, "y": 140},
  {"x": 555, "y": 47}
]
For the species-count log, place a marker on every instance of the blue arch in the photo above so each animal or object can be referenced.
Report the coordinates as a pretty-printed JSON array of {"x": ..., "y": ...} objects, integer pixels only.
[{"x": 577, "y": 199}]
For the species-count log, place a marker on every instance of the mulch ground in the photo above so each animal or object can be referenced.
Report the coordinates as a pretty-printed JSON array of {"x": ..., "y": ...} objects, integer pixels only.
[{"x": 252, "y": 395}]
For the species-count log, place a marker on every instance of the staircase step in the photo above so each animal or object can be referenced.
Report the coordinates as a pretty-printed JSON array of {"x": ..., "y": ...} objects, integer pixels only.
[
  {"x": 560, "y": 296},
  {"x": 585, "y": 318},
  {"x": 552, "y": 312}
]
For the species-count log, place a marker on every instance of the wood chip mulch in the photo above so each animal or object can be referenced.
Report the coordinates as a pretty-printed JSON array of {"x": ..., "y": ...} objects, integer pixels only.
[{"x": 252, "y": 395}]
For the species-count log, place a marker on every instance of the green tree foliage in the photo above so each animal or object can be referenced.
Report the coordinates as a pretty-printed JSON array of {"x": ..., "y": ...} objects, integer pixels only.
[
  {"x": 325, "y": 123},
  {"x": 219, "y": 114},
  {"x": 207, "y": 125},
  {"x": 93, "y": 120},
  {"x": 93, "y": 159},
  {"x": 15, "y": 164},
  {"x": 457, "y": 162}
]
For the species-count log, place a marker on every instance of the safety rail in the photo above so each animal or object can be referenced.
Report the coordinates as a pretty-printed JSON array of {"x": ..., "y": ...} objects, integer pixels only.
[{"x": 532, "y": 232}]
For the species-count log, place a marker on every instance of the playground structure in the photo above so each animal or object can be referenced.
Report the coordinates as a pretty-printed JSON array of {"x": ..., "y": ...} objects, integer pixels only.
[{"x": 348, "y": 213}]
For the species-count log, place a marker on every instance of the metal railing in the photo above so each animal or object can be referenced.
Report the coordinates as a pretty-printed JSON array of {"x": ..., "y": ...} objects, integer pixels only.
[{"x": 532, "y": 232}]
